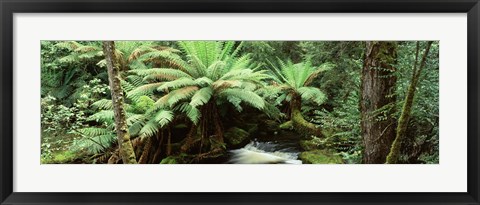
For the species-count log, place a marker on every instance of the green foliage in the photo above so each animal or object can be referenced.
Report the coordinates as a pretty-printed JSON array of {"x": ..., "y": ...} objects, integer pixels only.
[
  {"x": 167, "y": 84},
  {"x": 63, "y": 157},
  {"x": 295, "y": 78},
  {"x": 212, "y": 71}
]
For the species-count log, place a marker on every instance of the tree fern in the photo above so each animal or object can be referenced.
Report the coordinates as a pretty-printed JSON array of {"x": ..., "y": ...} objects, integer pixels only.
[
  {"x": 201, "y": 97},
  {"x": 163, "y": 117},
  {"x": 248, "y": 97},
  {"x": 313, "y": 94}
]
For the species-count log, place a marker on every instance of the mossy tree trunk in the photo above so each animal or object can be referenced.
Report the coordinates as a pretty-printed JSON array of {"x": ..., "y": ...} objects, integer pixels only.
[
  {"x": 378, "y": 100},
  {"x": 298, "y": 121},
  {"x": 394, "y": 155},
  {"x": 123, "y": 136}
]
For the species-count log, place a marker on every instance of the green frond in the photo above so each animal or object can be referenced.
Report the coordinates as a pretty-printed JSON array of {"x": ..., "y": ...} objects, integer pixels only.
[
  {"x": 243, "y": 62},
  {"x": 135, "y": 80},
  {"x": 103, "y": 104},
  {"x": 166, "y": 74},
  {"x": 94, "y": 131},
  {"x": 204, "y": 81},
  {"x": 215, "y": 70},
  {"x": 313, "y": 94},
  {"x": 181, "y": 94},
  {"x": 126, "y": 86},
  {"x": 134, "y": 118},
  {"x": 143, "y": 90},
  {"x": 191, "y": 112},
  {"x": 149, "y": 129},
  {"x": 201, "y": 97},
  {"x": 85, "y": 49},
  {"x": 248, "y": 97},
  {"x": 94, "y": 140},
  {"x": 135, "y": 128},
  {"x": 227, "y": 50},
  {"x": 163, "y": 56},
  {"x": 181, "y": 82},
  {"x": 223, "y": 84},
  {"x": 103, "y": 116},
  {"x": 320, "y": 69},
  {"x": 164, "y": 117},
  {"x": 236, "y": 102},
  {"x": 272, "y": 111},
  {"x": 70, "y": 45}
]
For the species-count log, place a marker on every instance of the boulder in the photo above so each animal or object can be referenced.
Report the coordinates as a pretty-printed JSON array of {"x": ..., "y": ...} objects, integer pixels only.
[{"x": 235, "y": 137}]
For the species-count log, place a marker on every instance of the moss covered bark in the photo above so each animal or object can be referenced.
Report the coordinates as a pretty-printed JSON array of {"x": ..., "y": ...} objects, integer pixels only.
[
  {"x": 299, "y": 123},
  {"x": 394, "y": 155},
  {"x": 378, "y": 100},
  {"x": 123, "y": 136}
]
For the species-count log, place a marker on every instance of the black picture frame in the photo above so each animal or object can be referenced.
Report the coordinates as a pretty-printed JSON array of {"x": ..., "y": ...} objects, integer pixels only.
[{"x": 9, "y": 7}]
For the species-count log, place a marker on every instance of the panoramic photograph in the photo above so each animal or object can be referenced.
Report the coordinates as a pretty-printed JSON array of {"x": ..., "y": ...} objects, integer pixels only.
[{"x": 239, "y": 102}]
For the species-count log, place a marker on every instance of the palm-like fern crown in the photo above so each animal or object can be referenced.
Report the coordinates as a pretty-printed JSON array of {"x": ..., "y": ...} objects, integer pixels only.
[
  {"x": 296, "y": 78},
  {"x": 212, "y": 71}
]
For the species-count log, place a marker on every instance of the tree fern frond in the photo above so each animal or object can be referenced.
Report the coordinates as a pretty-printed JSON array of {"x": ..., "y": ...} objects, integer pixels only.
[
  {"x": 248, "y": 97},
  {"x": 204, "y": 81},
  {"x": 135, "y": 80},
  {"x": 103, "y": 116},
  {"x": 215, "y": 70},
  {"x": 227, "y": 50},
  {"x": 135, "y": 128},
  {"x": 181, "y": 94},
  {"x": 191, "y": 112},
  {"x": 94, "y": 131},
  {"x": 70, "y": 45},
  {"x": 181, "y": 82},
  {"x": 164, "y": 117},
  {"x": 134, "y": 118},
  {"x": 201, "y": 97},
  {"x": 85, "y": 49},
  {"x": 223, "y": 84},
  {"x": 320, "y": 69},
  {"x": 149, "y": 129},
  {"x": 126, "y": 86},
  {"x": 312, "y": 93},
  {"x": 143, "y": 90},
  {"x": 103, "y": 104}
]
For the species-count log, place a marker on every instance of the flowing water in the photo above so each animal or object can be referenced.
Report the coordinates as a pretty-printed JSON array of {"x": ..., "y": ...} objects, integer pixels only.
[{"x": 265, "y": 153}]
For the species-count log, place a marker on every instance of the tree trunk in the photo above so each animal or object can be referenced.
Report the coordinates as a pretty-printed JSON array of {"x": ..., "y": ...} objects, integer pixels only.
[
  {"x": 298, "y": 122},
  {"x": 146, "y": 151},
  {"x": 378, "y": 100},
  {"x": 394, "y": 154},
  {"x": 126, "y": 149}
]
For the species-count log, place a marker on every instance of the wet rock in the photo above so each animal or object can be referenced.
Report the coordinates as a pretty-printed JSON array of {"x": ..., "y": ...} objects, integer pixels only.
[{"x": 236, "y": 137}]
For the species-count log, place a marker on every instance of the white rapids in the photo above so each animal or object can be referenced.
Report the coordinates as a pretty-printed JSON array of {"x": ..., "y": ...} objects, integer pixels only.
[{"x": 253, "y": 153}]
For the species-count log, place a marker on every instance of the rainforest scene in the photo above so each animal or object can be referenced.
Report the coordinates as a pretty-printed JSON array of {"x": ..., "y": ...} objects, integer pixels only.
[{"x": 239, "y": 102}]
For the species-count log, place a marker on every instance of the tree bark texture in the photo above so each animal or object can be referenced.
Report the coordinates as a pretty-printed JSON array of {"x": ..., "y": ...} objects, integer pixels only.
[
  {"x": 126, "y": 149},
  {"x": 378, "y": 100}
]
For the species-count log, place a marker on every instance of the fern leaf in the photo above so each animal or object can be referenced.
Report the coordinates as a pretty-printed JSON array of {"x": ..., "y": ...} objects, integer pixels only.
[{"x": 201, "y": 97}]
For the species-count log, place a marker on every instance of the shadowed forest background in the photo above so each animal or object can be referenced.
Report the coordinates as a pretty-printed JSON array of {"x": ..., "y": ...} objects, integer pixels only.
[{"x": 249, "y": 102}]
